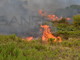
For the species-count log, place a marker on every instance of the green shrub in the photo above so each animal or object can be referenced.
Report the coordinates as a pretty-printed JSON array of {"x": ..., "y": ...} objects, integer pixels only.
[
  {"x": 14, "y": 49},
  {"x": 76, "y": 20}
]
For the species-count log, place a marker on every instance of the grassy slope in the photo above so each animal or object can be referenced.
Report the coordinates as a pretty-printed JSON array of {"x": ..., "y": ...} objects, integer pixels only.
[{"x": 13, "y": 48}]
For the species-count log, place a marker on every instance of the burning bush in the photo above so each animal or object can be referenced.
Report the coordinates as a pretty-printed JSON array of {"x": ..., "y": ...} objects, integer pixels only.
[{"x": 48, "y": 35}]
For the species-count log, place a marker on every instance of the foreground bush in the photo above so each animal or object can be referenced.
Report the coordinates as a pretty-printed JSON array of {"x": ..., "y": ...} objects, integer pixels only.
[{"x": 13, "y": 48}]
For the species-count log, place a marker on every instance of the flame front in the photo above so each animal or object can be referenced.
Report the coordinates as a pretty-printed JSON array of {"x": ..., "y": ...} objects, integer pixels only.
[
  {"x": 51, "y": 17},
  {"x": 47, "y": 34}
]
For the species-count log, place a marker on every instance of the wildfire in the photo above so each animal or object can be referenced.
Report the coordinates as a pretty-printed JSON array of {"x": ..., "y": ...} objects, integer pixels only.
[
  {"x": 28, "y": 39},
  {"x": 47, "y": 35},
  {"x": 46, "y": 29},
  {"x": 51, "y": 17}
]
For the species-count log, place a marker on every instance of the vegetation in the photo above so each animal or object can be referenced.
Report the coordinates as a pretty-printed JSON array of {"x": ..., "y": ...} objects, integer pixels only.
[
  {"x": 68, "y": 11},
  {"x": 13, "y": 48},
  {"x": 67, "y": 30},
  {"x": 76, "y": 20}
]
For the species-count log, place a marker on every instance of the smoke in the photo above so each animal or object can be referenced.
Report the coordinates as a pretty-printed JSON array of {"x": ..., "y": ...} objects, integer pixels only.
[
  {"x": 14, "y": 14},
  {"x": 21, "y": 7},
  {"x": 51, "y": 5},
  {"x": 25, "y": 7},
  {"x": 48, "y": 5}
]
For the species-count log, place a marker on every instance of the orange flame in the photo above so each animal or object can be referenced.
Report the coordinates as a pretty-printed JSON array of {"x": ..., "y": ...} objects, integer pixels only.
[
  {"x": 42, "y": 13},
  {"x": 51, "y": 17},
  {"x": 27, "y": 39},
  {"x": 47, "y": 34}
]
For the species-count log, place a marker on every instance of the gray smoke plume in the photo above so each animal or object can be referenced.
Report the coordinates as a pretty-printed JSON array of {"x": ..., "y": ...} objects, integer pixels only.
[{"x": 15, "y": 14}]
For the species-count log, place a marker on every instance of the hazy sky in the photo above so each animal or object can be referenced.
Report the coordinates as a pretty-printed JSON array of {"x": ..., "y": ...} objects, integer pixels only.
[
  {"x": 51, "y": 4},
  {"x": 18, "y": 8}
]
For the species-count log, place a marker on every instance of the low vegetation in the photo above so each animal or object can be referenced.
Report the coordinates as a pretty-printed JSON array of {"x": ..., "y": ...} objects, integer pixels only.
[{"x": 13, "y": 48}]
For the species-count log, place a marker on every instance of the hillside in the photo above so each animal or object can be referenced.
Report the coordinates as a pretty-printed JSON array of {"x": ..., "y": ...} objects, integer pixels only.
[{"x": 68, "y": 11}]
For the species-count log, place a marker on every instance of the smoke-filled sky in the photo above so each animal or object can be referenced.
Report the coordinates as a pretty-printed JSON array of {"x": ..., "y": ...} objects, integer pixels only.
[
  {"x": 25, "y": 8},
  {"x": 20, "y": 7}
]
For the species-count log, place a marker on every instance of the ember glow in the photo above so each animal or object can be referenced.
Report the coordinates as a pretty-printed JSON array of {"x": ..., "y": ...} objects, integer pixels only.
[
  {"x": 47, "y": 34},
  {"x": 42, "y": 13},
  {"x": 28, "y": 39}
]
